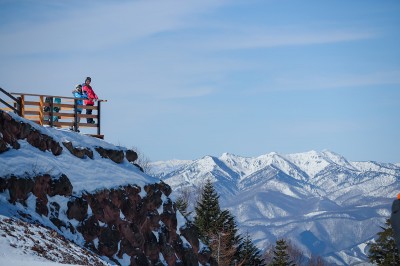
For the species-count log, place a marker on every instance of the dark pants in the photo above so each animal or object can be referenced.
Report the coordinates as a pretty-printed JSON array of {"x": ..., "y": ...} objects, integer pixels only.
[{"x": 89, "y": 112}]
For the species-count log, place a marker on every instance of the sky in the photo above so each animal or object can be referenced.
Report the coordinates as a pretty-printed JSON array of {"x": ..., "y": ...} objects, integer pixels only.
[{"x": 185, "y": 79}]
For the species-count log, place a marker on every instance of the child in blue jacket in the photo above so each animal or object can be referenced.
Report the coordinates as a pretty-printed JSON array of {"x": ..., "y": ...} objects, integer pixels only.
[{"x": 78, "y": 93}]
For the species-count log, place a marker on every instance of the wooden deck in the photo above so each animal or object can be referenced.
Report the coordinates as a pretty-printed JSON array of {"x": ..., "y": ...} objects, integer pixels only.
[{"x": 34, "y": 107}]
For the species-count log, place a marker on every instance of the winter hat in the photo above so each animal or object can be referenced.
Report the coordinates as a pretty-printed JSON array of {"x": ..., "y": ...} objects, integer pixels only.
[
  {"x": 88, "y": 78},
  {"x": 78, "y": 88}
]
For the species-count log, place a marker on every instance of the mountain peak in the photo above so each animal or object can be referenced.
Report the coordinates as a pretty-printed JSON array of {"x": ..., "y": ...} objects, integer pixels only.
[{"x": 283, "y": 196}]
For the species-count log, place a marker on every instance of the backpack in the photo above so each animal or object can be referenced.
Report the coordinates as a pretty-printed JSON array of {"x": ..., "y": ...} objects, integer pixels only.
[
  {"x": 47, "y": 108},
  {"x": 57, "y": 109},
  {"x": 48, "y": 100}
]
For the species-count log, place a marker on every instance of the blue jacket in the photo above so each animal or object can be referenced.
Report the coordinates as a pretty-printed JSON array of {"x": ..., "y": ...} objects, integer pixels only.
[{"x": 77, "y": 94}]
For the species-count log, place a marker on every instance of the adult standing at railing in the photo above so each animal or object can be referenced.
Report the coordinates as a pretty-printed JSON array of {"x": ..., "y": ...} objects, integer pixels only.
[{"x": 91, "y": 98}]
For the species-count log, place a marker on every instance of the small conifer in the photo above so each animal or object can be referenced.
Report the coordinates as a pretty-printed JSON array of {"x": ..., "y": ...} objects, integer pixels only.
[{"x": 384, "y": 250}]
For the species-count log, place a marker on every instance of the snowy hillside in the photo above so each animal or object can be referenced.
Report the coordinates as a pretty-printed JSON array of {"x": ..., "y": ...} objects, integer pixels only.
[
  {"x": 32, "y": 244},
  {"x": 85, "y": 174},
  {"x": 70, "y": 198},
  {"x": 322, "y": 202}
]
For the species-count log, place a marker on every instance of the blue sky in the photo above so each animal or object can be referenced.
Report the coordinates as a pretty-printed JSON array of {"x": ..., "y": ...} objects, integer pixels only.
[{"x": 184, "y": 79}]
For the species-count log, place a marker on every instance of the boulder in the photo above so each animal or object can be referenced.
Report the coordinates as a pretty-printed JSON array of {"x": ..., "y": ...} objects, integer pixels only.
[
  {"x": 77, "y": 209},
  {"x": 3, "y": 145},
  {"x": 40, "y": 188},
  {"x": 190, "y": 233},
  {"x": 108, "y": 241},
  {"x": 78, "y": 151},
  {"x": 60, "y": 186},
  {"x": 19, "y": 189},
  {"x": 90, "y": 229},
  {"x": 131, "y": 155},
  {"x": 116, "y": 156}
]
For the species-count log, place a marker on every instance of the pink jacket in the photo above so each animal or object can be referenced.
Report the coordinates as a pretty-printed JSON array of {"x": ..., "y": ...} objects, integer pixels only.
[{"x": 90, "y": 94}]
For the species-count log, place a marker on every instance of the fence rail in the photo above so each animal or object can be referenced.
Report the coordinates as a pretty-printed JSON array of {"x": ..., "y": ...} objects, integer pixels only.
[
  {"x": 16, "y": 102},
  {"x": 50, "y": 110}
]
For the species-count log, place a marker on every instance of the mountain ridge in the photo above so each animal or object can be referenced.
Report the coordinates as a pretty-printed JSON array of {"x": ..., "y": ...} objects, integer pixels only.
[{"x": 316, "y": 199}]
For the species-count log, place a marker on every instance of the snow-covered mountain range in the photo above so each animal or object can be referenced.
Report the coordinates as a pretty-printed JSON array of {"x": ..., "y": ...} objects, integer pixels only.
[{"x": 321, "y": 202}]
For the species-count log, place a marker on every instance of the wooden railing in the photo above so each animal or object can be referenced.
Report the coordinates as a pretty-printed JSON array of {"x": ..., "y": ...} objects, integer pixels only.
[
  {"x": 16, "y": 103},
  {"x": 50, "y": 110}
]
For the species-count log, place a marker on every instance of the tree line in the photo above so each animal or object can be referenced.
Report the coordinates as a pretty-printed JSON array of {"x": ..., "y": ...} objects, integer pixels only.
[{"x": 217, "y": 229}]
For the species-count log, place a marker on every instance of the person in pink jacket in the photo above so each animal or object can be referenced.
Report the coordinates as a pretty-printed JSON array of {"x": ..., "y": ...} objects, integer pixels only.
[{"x": 92, "y": 97}]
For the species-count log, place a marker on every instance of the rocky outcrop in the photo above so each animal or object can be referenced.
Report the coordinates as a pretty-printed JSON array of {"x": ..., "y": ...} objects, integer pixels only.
[
  {"x": 11, "y": 131},
  {"x": 115, "y": 222},
  {"x": 40, "y": 186},
  {"x": 3, "y": 145},
  {"x": 43, "y": 142},
  {"x": 79, "y": 152},
  {"x": 116, "y": 156},
  {"x": 19, "y": 189}
]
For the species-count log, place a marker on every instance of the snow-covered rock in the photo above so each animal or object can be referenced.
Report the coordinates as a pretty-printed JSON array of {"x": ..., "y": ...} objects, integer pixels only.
[{"x": 90, "y": 194}]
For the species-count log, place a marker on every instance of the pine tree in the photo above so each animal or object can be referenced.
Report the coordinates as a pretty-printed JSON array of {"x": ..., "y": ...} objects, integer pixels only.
[
  {"x": 281, "y": 257},
  {"x": 249, "y": 254},
  {"x": 229, "y": 226},
  {"x": 182, "y": 205},
  {"x": 183, "y": 201},
  {"x": 216, "y": 228},
  {"x": 384, "y": 250},
  {"x": 208, "y": 212}
]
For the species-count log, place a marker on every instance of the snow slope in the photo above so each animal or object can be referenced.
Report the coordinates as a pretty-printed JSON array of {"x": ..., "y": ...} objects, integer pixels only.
[
  {"x": 43, "y": 243},
  {"x": 85, "y": 174},
  {"x": 25, "y": 244}
]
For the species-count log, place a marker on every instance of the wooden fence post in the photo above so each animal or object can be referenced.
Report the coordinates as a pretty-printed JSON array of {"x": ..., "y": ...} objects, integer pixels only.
[
  {"x": 98, "y": 117},
  {"x": 75, "y": 115},
  {"x": 41, "y": 109},
  {"x": 51, "y": 112},
  {"x": 22, "y": 105}
]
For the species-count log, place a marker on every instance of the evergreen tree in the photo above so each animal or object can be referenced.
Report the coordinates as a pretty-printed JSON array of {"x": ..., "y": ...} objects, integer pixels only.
[
  {"x": 229, "y": 226},
  {"x": 249, "y": 254},
  {"x": 296, "y": 256},
  {"x": 281, "y": 256},
  {"x": 182, "y": 205},
  {"x": 183, "y": 201},
  {"x": 216, "y": 228},
  {"x": 384, "y": 250},
  {"x": 208, "y": 212}
]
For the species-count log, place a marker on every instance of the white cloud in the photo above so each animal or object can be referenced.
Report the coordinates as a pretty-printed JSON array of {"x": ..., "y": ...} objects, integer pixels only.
[
  {"x": 100, "y": 26},
  {"x": 269, "y": 37},
  {"x": 338, "y": 80}
]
